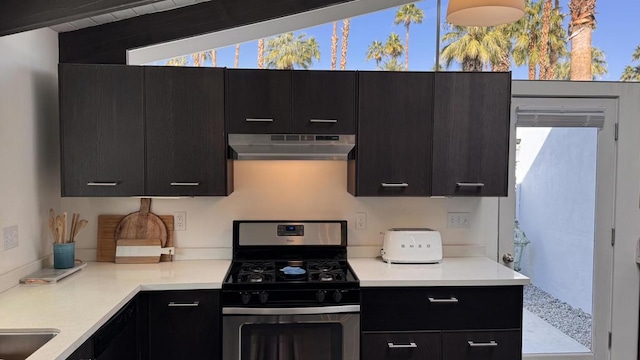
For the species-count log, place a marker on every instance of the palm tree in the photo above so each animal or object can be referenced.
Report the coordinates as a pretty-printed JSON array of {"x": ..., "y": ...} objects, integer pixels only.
[
  {"x": 375, "y": 52},
  {"x": 393, "y": 46},
  {"x": 544, "y": 38},
  {"x": 287, "y": 52},
  {"x": 334, "y": 46},
  {"x": 474, "y": 47},
  {"x": 582, "y": 22},
  {"x": 392, "y": 65},
  {"x": 345, "y": 39},
  {"x": 177, "y": 61},
  {"x": 261, "y": 53},
  {"x": 557, "y": 39},
  {"x": 237, "y": 59},
  {"x": 199, "y": 58},
  {"x": 632, "y": 73},
  {"x": 526, "y": 47},
  {"x": 598, "y": 66},
  {"x": 406, "y": 15},
  {"x": 213, "y": 54}
]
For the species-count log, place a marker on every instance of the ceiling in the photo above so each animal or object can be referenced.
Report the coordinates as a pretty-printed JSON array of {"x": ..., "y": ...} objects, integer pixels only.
[{"x": 124, "y": 14}]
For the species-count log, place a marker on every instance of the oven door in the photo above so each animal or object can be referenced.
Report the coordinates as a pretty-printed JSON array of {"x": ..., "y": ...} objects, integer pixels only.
[{"x": 317, "y": 333}]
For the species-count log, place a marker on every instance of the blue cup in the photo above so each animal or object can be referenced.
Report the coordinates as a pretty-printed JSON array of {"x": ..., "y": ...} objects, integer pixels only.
[{"x": 64, "y": 255}]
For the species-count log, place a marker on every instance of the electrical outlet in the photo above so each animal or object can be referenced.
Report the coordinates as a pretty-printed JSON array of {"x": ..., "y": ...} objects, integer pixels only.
[
  {"x": 361, "y": 221},
  {"x": 180, "y": 220},
  {"x": 458, "y": 220},
  {"x": 11, "y": 239}
]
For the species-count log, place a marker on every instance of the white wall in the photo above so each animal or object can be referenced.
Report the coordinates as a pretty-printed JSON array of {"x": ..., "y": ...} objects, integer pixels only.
[
  {"x": 295, "y": 190},
  {"x": 556, "y": 210},
  {"x": 626, "y": 276},
  {"x": 29, "y": 160}
]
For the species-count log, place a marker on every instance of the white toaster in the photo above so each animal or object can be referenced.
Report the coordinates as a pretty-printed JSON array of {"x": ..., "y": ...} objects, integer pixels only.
[{"x": 412, "y": 245}]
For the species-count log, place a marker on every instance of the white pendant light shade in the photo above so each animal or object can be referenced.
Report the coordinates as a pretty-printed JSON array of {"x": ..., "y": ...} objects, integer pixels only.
[{"x": 484, "y": 12}]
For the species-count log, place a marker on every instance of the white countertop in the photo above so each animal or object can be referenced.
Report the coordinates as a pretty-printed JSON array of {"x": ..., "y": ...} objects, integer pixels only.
[
  {"x": 79, "y": 304},
  {"x": 462, "y": 271}
]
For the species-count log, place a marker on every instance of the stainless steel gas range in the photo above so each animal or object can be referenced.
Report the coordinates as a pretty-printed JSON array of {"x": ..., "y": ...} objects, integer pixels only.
[{"x": 290, "y": 293}]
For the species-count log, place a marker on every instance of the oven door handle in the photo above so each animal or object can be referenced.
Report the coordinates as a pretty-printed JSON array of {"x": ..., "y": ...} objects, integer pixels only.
[{"x": 292, "y": 311}]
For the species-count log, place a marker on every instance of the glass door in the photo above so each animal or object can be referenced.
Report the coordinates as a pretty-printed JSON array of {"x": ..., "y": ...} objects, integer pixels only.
[{"x": 558, "y": 221}]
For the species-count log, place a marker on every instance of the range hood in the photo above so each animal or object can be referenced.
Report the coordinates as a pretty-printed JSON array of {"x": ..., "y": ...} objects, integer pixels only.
[{"x": 291, "y": 146}]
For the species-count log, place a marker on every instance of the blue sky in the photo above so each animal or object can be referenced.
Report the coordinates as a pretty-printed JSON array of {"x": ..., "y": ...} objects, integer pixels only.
[{"x": 617, "y": 34}]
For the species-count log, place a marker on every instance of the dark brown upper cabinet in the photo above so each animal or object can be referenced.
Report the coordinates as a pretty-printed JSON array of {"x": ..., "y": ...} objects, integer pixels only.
[
  {"x": 102, "y": 130},
  {"x": 323, "y": 102},
  {"x": 291, "y": 101},
  {"x": 259, "y": 101},
  {"x": 471, "y": 134},
  {"x": 186, "y": 143},
  {"x": 395, "y": 121}
]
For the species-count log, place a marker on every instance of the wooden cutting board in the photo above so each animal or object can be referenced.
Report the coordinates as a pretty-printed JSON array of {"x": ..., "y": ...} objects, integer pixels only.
[
  {"x": 142, "y": 224},
  {"x": 137, "y": 257},
  {"x": 106, "y": 236}
]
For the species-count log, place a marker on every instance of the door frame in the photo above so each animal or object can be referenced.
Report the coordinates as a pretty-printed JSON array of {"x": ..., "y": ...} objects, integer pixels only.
[{"x": 604, "y": 215}]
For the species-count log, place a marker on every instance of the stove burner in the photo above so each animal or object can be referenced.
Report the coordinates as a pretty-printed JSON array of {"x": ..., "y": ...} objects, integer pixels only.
[
  {"x": 256, "y": 269},
  {"x": 324, "y": 276},
  {"x": 255, "y": 278}
]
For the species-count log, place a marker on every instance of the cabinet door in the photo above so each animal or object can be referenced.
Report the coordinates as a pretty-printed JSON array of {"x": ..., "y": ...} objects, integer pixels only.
[
  {"x": 402, "y": 346},
  {"x": 471, "y": 134},
  {"x": 259, "y": 101},
  {"x": 394, "y": 134},
  {"x": 186, "y": 143},
  {"x": 184, "y": 325},
  {"x": 84, "y": 352},
  {"x": 102, "y": 130},
  {"x": 323, "y": 102},
  {"x": 482, "y": 345}
]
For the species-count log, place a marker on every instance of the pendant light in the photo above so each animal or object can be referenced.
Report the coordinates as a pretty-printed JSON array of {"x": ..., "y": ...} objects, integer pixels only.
[{"x": 484, "y": 12}]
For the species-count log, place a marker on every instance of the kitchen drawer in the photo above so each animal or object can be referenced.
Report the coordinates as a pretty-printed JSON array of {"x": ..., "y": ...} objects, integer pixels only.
[
  {"x": 441, "y": 308},
  {"x": 401, "y": 345},
  {"x": 482, "y": 345}
]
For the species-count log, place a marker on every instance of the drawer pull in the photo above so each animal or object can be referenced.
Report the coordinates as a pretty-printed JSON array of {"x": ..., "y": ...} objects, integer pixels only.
[
  {"x": 449, "y": 300},
  {"x": 185, "y": 184},
  {"x": 258, "y": 120},
  {"x": 95, "y": 183},
  {"x": 482, "y": 344},
  {"x": 394, "y": 185},
  {"x": 466, "y": 184},
  {"x": 402, "y": 346},
  {"x": 323, "y": 120},
  {"x": 175, "y": 304}
]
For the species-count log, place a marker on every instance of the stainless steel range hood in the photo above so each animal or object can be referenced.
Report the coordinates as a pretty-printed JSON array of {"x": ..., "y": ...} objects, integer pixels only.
[{"x": 291, "y": 146}]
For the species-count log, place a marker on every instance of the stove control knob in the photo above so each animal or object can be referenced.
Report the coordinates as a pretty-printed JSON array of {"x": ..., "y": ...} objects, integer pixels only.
[
  {"x": 263, "y": 297},
  {"x": 245, "y": 298},
  {"x": 337, "y": 296},
  {"x": 320, "y": 295}
]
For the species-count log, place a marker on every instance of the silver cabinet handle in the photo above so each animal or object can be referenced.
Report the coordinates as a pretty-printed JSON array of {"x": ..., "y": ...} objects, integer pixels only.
[
  {"x": 184, "y": 184},
  {"x": 175, "y": 304},
  {"x": 258, "y": 120},
  {"x": 94, "y": 183},
  {"x": 483, "y": 344},
  {"x": 466, "y": 184},
  {"x": 323, "y": 120},
  {"x": 449, "y": 300},
  {"x": 395, "y": 185},
  {"x": 401, "y": 346}
]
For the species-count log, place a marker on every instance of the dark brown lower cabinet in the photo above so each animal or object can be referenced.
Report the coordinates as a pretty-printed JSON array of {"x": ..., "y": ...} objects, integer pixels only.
[
  {"x": 184, "y": 324},
  {"x": 402, "y": 345},
  {"x": 482, "y": 345}
]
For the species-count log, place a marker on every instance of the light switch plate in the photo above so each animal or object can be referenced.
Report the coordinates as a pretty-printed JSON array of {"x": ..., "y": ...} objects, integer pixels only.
[
  {"x": 10, "y": 236},
  {"x": 458, "y": 220}
]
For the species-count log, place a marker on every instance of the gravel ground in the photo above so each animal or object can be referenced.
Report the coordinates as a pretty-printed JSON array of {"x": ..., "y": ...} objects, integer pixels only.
[{"x": 573, "y": 322}]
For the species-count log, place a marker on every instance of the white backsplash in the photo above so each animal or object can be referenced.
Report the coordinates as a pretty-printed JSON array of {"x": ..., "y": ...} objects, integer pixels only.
[{"x": 298, "y": 190}]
